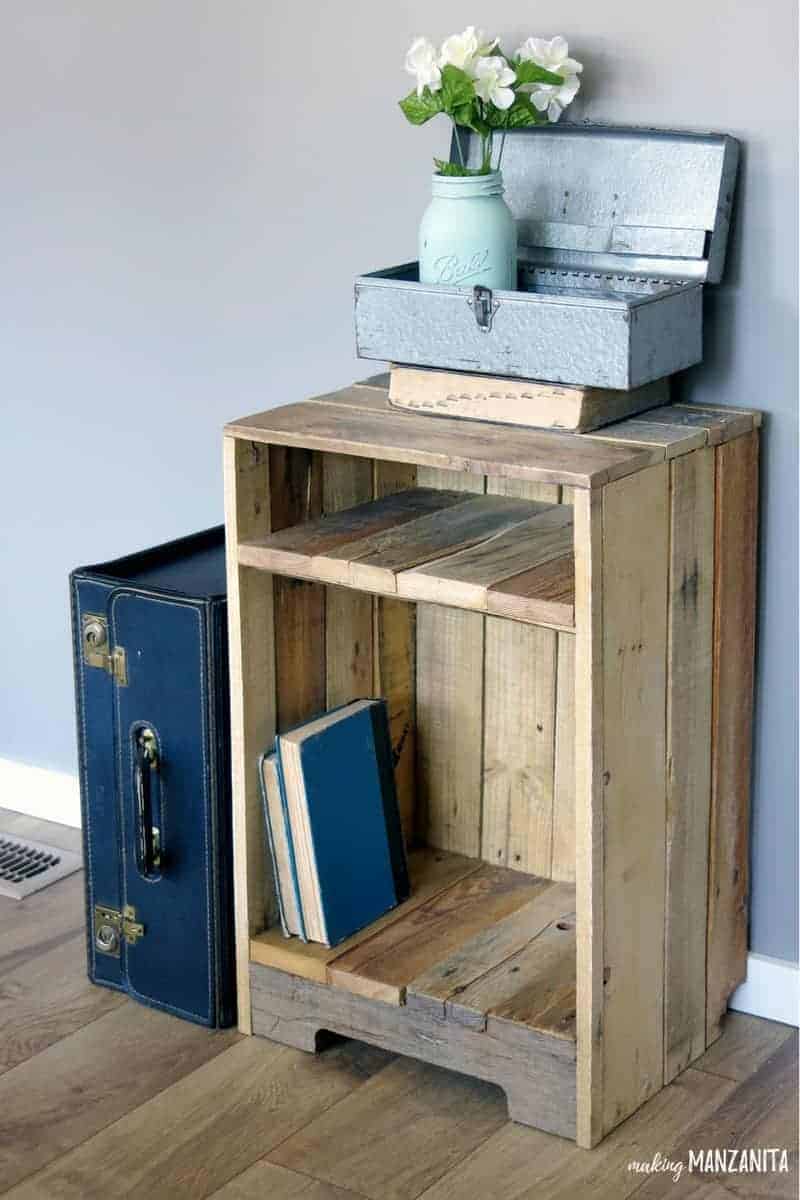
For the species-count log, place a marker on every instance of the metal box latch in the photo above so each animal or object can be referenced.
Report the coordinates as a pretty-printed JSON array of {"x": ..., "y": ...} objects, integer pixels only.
[
  {"x": 96, "y": 649},
  {"x": 484, "y": 307},
  {"x": 112, "y": 927}
]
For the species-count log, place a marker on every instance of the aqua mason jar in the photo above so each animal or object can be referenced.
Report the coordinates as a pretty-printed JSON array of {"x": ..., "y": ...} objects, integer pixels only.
[{"x": 468, "y": 236}]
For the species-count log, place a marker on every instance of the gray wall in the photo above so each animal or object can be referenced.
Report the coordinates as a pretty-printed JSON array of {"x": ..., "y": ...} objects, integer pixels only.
[{"x": 188, "y": 189}]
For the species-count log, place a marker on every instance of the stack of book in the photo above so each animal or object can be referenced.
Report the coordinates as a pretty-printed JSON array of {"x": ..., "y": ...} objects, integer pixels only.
[{"x": 333, "y": 823}]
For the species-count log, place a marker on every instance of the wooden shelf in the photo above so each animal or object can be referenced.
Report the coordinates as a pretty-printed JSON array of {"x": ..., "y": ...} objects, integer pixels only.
[
  {"x": 485, "y": 947},
  {"x": 492, "y": 554}
]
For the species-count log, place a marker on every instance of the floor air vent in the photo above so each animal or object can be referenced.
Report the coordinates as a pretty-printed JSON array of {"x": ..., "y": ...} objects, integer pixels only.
[{"x": 27, "y": 866}]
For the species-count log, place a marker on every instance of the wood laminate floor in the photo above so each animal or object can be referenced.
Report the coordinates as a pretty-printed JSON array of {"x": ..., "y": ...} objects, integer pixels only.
[{"x": 102, "y": 1098}]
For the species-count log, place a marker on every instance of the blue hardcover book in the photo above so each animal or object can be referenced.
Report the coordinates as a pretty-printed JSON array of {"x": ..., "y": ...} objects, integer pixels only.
[{"x": 345, "y": 840}]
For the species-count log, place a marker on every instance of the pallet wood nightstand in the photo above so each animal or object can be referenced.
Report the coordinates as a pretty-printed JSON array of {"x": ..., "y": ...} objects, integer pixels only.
[{"x": 563, "y": 626}]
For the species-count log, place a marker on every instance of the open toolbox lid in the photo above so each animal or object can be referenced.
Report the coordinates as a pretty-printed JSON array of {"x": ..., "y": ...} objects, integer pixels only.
[{"x": 629, "y": 202}]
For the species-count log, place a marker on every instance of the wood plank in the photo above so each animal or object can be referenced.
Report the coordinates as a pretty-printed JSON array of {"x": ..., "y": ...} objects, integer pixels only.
[
  {"x": 465, "y": 577},
  {"x": 396, "y": 664},
  {"x": 635, "y": 558},
  {"x": 450, "y": 712},
  {"x": 294, "y": 549},
  {"x": 382, "y": 966},
  {"x": 518, "y": 792},
  {"x": 533, "y": 990},
  {"x": 440, "y": 989},
  {"x": 431, "y": 872},
  {"x": 544, "y": 595},
  {"x": 252, "y": 690},
  {"x": 589, "y": 915},
  {"x": 299, "y": 615},
  {"x": 356, "y": 1144},
  {"x": 445, "y": 444},
  {"x": 518, "y": 746},
  {"x": 539, "y": 1085},
  {"x": 348, "y": 615},
  {"x": 689, "y": 650},
  {"x": 719, "y": 424},
  {"x": 209, "y": 1126},
  {"x": 673, "y": 438},
  {"x": 563, "y": 864},
  {"x": 87, "y": 1081},
  {"x": 395, "y": 679},
  {"x": 735, "y": 539},
  {"x": 385, "y": 562},
  {"x": 48, "y": 998}
]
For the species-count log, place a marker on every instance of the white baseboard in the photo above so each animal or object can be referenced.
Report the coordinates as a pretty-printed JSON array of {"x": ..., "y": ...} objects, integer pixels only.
[
  {"x": 772, "y": 990},
  {"x": 40, "y": 792}
]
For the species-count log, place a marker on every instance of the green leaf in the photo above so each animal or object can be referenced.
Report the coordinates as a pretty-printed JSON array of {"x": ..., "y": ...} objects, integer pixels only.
[
  {"x": 529, "y": 72},
  {"x": 419, "y": 109},
  {"x": 458, "y": 90},
  {"x": 450, "y": 168},
  {"x": 468, "y": 117}
]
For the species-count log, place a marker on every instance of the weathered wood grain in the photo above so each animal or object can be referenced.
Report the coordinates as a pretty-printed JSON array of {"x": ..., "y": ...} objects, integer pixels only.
[
  {"x": 519, "y": 736},
  {"x": 447, "y": 444},
  {"x": 450, "y": 712},
  {"x": 718, "y": 424},
  {"x": 589, "y": 813},
  {"x": 735, "y": 537},
  {"x": 635, "y": 558},
  {"x": 539, "y": 1085},
  {"x": 395, "y": 662},
  {"x": 348, "y": 615},
  {"x": 430, "y": 872},
  {"x": 433, "y": 990},
  {"x": 689, "y": 650},
  {"x": 382, "y": 966},
  {"x": 533, "y": 990},
  {"x": 563, "y": 864},
  {"x": 465, "y": 577},
  {"x": 251, "y": 653},
  {"x": 299, "y": 615}
]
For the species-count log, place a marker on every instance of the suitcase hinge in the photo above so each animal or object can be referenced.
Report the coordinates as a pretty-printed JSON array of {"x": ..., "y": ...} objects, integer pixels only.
[
  {"x": 111, "y": 927},
  {"x": 96, "y": 649}
]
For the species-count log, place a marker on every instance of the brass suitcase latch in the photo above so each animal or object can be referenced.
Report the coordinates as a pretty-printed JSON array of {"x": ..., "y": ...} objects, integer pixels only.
[
  {"x": 96, "y": 649},
  {"x": 112, "y": 927}
]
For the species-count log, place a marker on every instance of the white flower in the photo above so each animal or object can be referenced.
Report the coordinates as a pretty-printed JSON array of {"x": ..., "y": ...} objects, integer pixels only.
[
  {"x": 463, "y": 50},
  {"x": 553, "y": 56},
  {"x": 421, "y": 61},
  {"x": 492, "y": 79}
]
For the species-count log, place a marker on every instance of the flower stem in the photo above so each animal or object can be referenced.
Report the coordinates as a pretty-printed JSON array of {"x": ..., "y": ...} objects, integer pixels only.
[{"x": 458, "y": 145}]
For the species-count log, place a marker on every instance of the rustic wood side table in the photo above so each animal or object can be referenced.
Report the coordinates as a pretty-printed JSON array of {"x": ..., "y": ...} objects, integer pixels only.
[{"x": 563, "y": 626}]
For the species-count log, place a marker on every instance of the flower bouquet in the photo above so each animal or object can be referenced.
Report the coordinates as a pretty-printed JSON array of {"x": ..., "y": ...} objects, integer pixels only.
[{"x": 468, "y": 233}]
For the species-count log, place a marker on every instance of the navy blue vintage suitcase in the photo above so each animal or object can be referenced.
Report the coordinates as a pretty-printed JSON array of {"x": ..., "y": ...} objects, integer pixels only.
[{"x": 151, "y": 676}]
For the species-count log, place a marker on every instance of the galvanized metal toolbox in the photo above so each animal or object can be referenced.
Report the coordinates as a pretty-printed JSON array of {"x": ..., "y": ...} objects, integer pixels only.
[
  {"x": 151, "y": 677},
  {"x": 618, "y": 231}
]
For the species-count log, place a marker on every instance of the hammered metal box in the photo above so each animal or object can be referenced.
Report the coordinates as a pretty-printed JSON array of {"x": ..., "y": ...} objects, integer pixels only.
[{"x": 618, "y": 231}]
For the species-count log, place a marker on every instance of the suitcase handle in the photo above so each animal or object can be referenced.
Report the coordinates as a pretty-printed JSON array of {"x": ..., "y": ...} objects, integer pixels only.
[{"x": 148, "y": 835}]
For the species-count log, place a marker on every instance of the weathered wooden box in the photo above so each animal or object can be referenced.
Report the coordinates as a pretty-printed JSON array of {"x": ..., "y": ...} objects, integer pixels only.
[
  {"x": 618, "y": 231},
  {"x": 563, "y": 628}
]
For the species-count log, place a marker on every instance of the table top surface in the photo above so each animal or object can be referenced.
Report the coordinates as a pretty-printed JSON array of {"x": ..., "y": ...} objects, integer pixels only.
[{"x": 360, "y": 421}]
